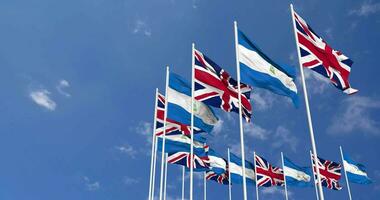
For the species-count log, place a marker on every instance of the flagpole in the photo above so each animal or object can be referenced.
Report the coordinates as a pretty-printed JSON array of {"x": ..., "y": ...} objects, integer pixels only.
[
  {"x": 154, "y": 167},
  {"x": 166, "y": 174},
  {"x": 345, "y": 173},
  {"x": 183, "y": 182},
  {"x": 312, "y": 169},
  {"x": 283, "y": 166},
  {"x": 240, "y": 113},
  {"x": 164, "y": 134},
  {"x": 192, "y": 122},
  {"x": 152, "y": 161},
  {"x": 257, "y": 187},
  {"x": 314, "y": 148},
  {"x": 204, "y": 187},
  {"x": 229, "y": 176}
]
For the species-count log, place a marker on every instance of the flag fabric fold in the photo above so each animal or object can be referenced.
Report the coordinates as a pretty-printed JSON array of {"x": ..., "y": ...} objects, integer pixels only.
[
  {"x": 236, "y": 170},
  {"x": 172, "y": 127},
  {"x": 318, "y": 56},
  {"x": 356, "y": 172},
  {"x": 267, "y": 174},
  {"x": 215, "y": 87},
  {"x": 257, "y": 69},
  {"x": 296, "y": 175},
  {"x": 329, "y": 171},
  {"x": 179, "y": 105}
]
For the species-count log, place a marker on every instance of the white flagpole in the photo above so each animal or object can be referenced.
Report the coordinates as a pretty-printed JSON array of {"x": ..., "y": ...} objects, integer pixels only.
[
  {"x": 283, "y": 166},
  {"x": 153, "y": 154},
  {"x": 166, "y": 174},
  {"x": 204, "y": 187},
  {"x": 164, "y": 134},
  {"x": 257, "y": 187},
  {"x": 240, "y": 112},
  {"x": 192, "y": 121},
  {"x": 345, "y": 173},
  {"x": 314, "y": 148},
  {"x": 312, "y": 169},
  {"x": 183, "y": 182},
  {"x": 154, "y": 167},
  {"x": 229, "y": 176}
]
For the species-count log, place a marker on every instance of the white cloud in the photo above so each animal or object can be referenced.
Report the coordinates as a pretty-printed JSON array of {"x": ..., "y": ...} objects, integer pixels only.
[
  {"x": 145, "y": 129},
  {"x": 141, "y": 27},
  {"x": 91, "y": 186},
  {"x": 262, "y": 100},
  {"x": 274, "y": 191},
  {"x": 317, "y": 84},
  {"x": 218, "y": 127},
  {"x": 130, "y": 180},
  {"x": 41, "y": 97},
  {"x": 127, "y": 149},
  {"x": 255, "y": 131},
  {"x": 355, "y": 114},
  {"x": 61, "y": 86},
  {"x": 366, "y": 8},
  {"x": 283, "y": 137}
]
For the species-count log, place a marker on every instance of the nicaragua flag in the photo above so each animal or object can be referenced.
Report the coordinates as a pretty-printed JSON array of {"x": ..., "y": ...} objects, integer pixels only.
[
  {"x": 356, "y": 172},
  {"x": 257, "y": 69},
  {"x": 297, "y": 176},
  {"x": 176, "y": 143},
  {"x": 217, "y": 163},
  {"x": 236, "y": 170},
  {"x": 179, "y": 105}
]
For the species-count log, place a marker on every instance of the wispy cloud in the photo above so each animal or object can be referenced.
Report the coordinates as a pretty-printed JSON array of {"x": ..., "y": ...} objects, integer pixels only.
[
  {"x": 316, "y": 82},
  {"x": 91, "y": 186},
  {"x": 283, "y": 137},
  {"x": 355, "y": 115},
  {"x": 145, "y": 129},
  {"x": 127, "y": 149},
  {"x": 268, "y": 191},
  {"x": 262, "y": 100},
  {"x": 218, "y": 127},
  {"x": 62, "y": 85},
  {"x": 141, "y": 27},
  {"x": 130, "y": 181},
  {"x": 366, "y": 8},
  {"x": 41, "y": 97},
  {"x": 256, "y": 131}
]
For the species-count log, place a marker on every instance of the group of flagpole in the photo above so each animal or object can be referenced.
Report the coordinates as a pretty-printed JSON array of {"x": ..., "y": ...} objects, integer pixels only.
[
  {"x": 315, "y": 186},
  {"x": 240, "y": 112},
  {"x": 310, "y": 123}
]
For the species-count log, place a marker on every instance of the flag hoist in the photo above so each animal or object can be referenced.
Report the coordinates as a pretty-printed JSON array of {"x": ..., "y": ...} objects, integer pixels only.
[
  {"x": 164, "y": 136},
  {"x": 310, "y": 124}
]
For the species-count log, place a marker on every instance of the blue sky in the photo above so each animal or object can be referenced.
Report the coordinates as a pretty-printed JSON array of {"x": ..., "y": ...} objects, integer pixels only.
[{"x": 78, "y": 80}]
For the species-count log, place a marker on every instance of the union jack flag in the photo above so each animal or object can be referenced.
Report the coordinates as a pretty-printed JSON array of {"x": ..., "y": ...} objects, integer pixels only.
[
  {"x": 330, "y": 173},
  {"x": 215, "y": 87},
  {"x": 201, "y": 163},
  {"x": 219, "y": 178},
  {"x": 317, "y": 55},
  {"x": 268, "y": 175},
  {"x": 172, "y": 127}
]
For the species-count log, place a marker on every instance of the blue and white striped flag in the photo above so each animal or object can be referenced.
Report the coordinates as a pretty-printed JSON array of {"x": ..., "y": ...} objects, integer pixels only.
[
  {"x": 179, "y": 105},
  {"x": 236, "y": 170},
  {"x": 257, "y": 69},
  {"x": 296, "y": 175},
  {"x": 356, "y": 172}
]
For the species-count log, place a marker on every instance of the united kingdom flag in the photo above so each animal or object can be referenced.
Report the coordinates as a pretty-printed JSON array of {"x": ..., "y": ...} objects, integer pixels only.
[
  {"x": 201, "y": 162},
  {"x": 268, "y": 175},
  {"x": 219, "y": 178},
  {"x": 172, "y": 127},
  {"x": 215, "y": 87},
  {"x": 330, "y": 173},
  {"x": 317, "y": 55}
]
